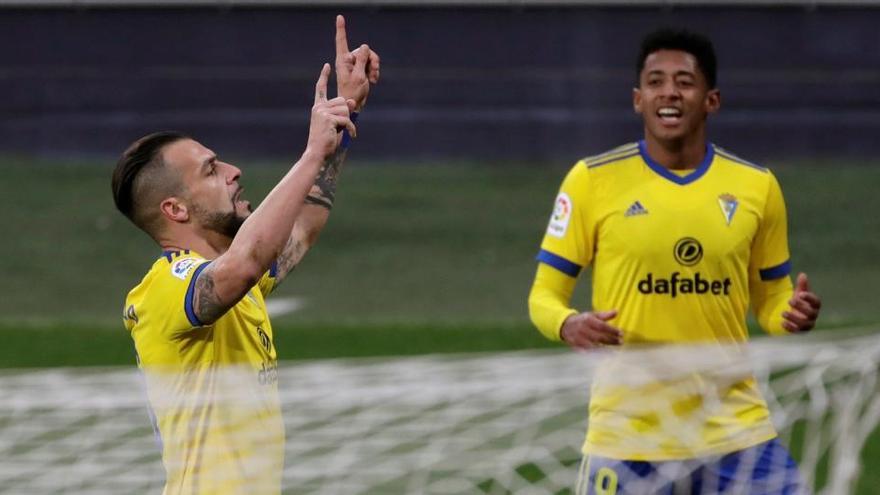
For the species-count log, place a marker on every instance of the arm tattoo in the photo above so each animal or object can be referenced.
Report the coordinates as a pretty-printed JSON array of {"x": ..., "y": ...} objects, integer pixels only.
[
  {"x": 326, "y": 180},
  {"x": 293, "y": 253},
  {"x": 208, "y": 307}
]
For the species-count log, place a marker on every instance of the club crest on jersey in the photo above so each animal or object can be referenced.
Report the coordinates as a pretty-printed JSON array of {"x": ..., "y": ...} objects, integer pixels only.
[
  {"x": 728, "y": 204},
  {"x": 182, "y": 267},
  {"x": 561, "y": 216}
]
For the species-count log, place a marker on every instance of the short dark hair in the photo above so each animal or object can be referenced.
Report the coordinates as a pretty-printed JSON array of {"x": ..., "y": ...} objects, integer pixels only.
[
  {"x": 142, "y": 158},
  {"x": 687, "y": 41}
]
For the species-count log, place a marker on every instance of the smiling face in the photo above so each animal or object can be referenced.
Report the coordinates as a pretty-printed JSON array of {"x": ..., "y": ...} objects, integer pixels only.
[
  {"x": 212, "y": 193},
  {"x": 674, "y": 97}
]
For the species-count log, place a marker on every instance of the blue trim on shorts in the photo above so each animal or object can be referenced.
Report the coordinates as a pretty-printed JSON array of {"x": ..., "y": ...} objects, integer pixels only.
[{"x": 763, "y": 469}]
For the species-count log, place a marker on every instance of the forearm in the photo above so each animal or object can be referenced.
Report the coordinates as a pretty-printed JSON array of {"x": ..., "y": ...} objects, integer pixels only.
[
  {"x": 265, "y": 233},
  {"x": 314, "y": 214},
  {"x": 549, "y": 300},
  {"x": 256, "y": 246},
  {"x": 769, "y": 300},
  {"x": 323, "y": 192}
]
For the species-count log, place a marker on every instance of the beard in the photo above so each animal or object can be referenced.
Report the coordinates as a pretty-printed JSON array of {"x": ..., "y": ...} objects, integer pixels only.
[{"x": 224, "y": 223}]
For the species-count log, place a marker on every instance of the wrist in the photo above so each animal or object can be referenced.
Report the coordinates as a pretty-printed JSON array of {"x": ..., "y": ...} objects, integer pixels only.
[
  {"x": 346, "y": 138},
  {"x": 312, "y": 156},
  {"x": 563, "y": 320}
]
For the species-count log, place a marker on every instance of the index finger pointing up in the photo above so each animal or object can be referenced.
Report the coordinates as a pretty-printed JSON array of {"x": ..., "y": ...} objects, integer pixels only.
[
  {"x": 321, "y": 86},
  {"x": 341, "y": 38}
]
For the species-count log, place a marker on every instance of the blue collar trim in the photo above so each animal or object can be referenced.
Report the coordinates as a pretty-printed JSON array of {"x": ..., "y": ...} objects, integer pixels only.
[{"x": 668, "y": 174}]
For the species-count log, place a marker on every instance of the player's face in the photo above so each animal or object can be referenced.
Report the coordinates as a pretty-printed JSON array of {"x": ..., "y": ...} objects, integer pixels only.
[
  {"x": 213, "y": 193},
  {"x": 673, "y": 96}
]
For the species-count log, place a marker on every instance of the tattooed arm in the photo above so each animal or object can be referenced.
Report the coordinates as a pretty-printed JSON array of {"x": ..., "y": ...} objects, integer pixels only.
[
  {"x": 220, "y": 284},
  {"x": 356, "y": 70},
  {"x": 313, "y": 216}
]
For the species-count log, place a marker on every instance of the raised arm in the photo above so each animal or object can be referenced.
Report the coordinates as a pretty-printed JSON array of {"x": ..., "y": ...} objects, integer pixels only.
[
  {"x": 224, "y": 281},
  {"x": 355, "y": 71}
]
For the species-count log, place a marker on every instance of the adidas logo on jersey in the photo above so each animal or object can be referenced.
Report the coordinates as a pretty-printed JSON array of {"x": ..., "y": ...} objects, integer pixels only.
[{"x": 635, "y": 209}]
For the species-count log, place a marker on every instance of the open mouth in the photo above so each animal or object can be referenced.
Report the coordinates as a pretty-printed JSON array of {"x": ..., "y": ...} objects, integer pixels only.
[
  {"x": 669, "y": 115},
  {"x": 237, "y": 199}
]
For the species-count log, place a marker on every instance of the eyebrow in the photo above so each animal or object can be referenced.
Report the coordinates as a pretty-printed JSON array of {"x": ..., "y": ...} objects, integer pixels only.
[
  {"x": 208, "y": 161},
  {"x": 659, "y": 72}
]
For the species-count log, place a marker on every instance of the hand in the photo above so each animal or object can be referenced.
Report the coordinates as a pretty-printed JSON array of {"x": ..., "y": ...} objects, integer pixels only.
[
  {"x": 591, "y": 330},
  {"x": 804, "y": 307},
  {"x": 355, "y": 70},
  {"x": 328, "y": 118}
]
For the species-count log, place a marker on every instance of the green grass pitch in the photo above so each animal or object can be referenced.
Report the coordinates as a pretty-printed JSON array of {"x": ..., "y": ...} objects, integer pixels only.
[{"x": 416, "y": 259}]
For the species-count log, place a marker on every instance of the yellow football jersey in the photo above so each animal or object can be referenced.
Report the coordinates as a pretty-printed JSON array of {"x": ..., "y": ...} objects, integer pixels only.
[
  {"x": 212, "y": 388},
  {"x": 677, "y": 254}
]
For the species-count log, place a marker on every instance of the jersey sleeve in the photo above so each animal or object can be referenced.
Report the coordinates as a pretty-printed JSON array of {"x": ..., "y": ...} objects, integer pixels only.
[
  {"x": 549, "y": 300},
  {"x": 568, "y": 242},
  {"x": 770, "y": 256},
  {"x": 769, "y": 285},
  {"x": 170, "y": 298},
  {"x": 268, "y": 280}
]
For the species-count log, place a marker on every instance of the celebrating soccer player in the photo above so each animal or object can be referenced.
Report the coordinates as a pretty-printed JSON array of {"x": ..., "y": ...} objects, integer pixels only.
[
  {"x": 198, "y": 318},
  {"x": 682, "y": 237}
]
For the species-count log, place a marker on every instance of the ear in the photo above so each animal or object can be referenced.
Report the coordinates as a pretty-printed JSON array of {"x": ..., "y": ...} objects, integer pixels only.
[
  {"x": 713, "y": 100},
  {"x": 637, "y": 100},
  {"x": 174, "y": 209}
]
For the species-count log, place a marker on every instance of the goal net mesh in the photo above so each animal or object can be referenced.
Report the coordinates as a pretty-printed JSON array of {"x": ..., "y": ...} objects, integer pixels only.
[{"x": 445, "y": 424}]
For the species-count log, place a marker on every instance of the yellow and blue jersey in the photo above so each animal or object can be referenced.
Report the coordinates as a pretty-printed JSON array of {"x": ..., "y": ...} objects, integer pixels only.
[
  {"x": 679, "y": 255},
  {"x": 212, "y": 388}
]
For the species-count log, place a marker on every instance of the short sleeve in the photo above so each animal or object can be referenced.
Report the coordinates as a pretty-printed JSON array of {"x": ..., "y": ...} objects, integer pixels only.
[
  {"x": 170, "y": 298},
  {"x": 770, "y": 255},
  {"x": 568, "y": 241},
  {"x": 268, "y": 280}
]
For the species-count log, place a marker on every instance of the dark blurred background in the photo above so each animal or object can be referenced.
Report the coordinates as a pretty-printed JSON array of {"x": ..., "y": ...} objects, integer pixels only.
[{"x": 519, "y": 80}]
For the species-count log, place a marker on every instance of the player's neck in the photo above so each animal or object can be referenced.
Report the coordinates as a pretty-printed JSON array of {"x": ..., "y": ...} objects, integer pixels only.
[
  {"x": 677, "y": 154},
  {"x": 209, "y": 244}
]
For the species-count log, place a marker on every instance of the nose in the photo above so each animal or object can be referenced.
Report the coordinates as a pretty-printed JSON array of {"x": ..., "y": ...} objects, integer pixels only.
[
  {"x": 233, "y": 173},
  {"x": 670, "y": 90}
]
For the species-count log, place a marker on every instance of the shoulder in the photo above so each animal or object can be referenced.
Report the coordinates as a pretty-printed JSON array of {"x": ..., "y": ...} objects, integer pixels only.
[
  {"x": 736, "y": 161},
  {"x": 612, "y": 156},
  {"x": 171, "y": 269},
  {"x": 165, "y": 288},
  {"x": 601, "y": 163},
  {"x": 178, "y": 264}
]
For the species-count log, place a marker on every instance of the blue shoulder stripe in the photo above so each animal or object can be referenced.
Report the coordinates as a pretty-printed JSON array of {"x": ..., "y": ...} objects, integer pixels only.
[
  {"x": 738, "y": 160},
  {"x": 190, "y": 294},
  {"x": 563, "y": 265},
  {"x": 777, "y": 271}
]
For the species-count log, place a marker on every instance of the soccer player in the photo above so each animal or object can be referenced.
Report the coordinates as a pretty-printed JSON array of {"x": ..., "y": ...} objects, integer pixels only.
[
  {"x": 682, "y": 236},
  {"x": 198, "y": 318}
]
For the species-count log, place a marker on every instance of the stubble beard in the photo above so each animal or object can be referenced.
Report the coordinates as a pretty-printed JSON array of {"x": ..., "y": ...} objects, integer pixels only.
[{"x": 224, "y": 223}]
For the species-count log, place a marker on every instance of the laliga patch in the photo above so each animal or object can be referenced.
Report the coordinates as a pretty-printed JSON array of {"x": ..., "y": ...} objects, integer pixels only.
[
  {"x": 561, "y": 216},
  {"x": 182, "y": 267}
]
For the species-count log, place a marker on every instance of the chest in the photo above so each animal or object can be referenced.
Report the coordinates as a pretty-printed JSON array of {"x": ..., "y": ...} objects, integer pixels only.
[{"x": 686, "y": 224}]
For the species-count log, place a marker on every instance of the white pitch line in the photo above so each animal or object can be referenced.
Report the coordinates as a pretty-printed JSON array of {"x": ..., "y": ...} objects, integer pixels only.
[{"x": 281, "y": 306}]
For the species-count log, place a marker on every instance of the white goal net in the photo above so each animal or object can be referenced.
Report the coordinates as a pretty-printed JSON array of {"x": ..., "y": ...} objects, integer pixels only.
[{"x": 458, "y": 424}]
